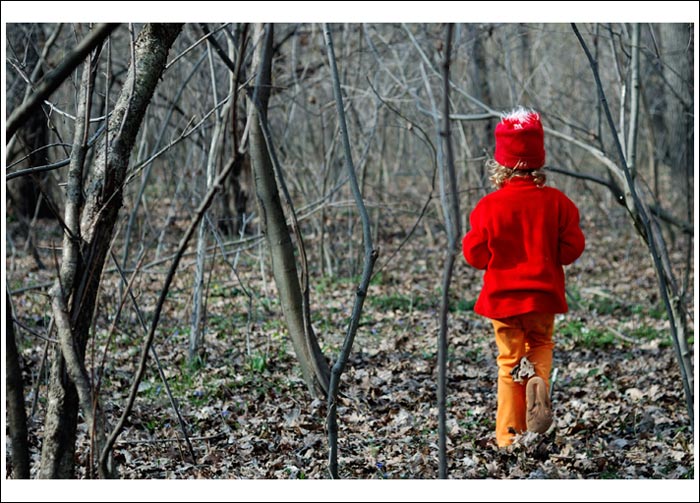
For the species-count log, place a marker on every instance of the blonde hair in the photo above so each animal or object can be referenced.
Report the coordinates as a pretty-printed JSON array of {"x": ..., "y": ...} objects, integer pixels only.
[{"x": 499, "y": 174}]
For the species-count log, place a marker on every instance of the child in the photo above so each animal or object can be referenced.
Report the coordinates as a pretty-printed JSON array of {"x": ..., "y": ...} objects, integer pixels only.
[{"x": 522, "y": 234}]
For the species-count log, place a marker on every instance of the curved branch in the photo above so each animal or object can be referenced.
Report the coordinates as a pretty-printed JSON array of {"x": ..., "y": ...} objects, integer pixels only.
[
  {"x": 55, "y": 165},
  {"x": 161, "y": 301},
  {"x": 638, "y": 211},
  {"x": 370, "y": 258},
  {"x": 614, "y": 188}
]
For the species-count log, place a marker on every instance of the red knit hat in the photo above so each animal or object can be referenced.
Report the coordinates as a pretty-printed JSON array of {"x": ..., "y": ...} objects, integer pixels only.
[{"x": 520, "y": 140}]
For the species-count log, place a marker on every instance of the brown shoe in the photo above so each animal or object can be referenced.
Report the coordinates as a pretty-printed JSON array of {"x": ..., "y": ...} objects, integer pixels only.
[{"x": 539, "y": 409}]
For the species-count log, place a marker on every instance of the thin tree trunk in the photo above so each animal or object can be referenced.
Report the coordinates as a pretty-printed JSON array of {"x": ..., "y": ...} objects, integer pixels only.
[
  {"x": 480, "y": 71},
  {"x": 452, "y": 224},
  {"x": 238, "y": 186},
  {"x": 370, "y": 257},
  {"x": 16, "y": 413},
  {"x": 64, "y": 286},
  {"x": 634, "y": 103},
  {"x": 197, "y": 325},
  {"x": 313, "y": 365}
]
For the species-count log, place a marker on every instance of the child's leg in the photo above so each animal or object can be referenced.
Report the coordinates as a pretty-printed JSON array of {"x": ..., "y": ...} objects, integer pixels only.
[
  {"x": 538, "y": 330},
  {"x": 510, "y": 339}
]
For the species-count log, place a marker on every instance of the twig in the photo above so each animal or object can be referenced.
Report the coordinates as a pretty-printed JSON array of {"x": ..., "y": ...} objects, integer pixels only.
[
  {"x": 163, "y": 378},
  {"x": 37, "y": 383},
  {"x": 614, "y": 188},
  {"x": 55, "y": 165},
  {"x": 161, "y": 301},
  {"x": 622, "y": 336},
  {"x": 56, "y": 78},
  {"x": 36, "y": 151},
  {"x": 32, "y": 332},
  {"x": 555, "y": 373},
  {"x": 168, "y": 440},
  {"x": 38, "y": 286},
  {"x": 667, "y": 217}
]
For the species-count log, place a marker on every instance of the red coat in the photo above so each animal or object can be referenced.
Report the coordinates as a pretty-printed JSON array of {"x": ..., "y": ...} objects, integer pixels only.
[{"x": 523, "y": 235}]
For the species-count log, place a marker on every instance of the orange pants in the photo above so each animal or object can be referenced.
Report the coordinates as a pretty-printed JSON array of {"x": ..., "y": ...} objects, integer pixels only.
[{"x": 527, "y": 335}]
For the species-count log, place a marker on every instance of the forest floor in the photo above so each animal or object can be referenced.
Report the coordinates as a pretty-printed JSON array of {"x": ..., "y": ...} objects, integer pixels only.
[{"x": 618, "y": 400}]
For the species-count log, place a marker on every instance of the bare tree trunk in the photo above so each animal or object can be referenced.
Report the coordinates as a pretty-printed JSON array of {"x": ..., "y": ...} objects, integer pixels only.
[
  {"x": 215, "y": 149},
  {"x": 16, "y": 413},
  {"x": 313, "y": 365},
  {"x": 450, "y": 208},
  {"x": 676, "y": 40},
  {"x": 370, "y": 257},
  {"x": 58, "y": 443},
  {"x": 480, "y": 71},
  {"x": 64, "y": 285},
  {"x": 649, "y": 230},
  {"x": 634, "y": 103},
  {"x": 92, "y": 241},
  {"x": 239, "y": 185}
]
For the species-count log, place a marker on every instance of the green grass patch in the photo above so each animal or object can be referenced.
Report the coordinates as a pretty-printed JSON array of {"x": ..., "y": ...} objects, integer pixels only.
[
  {"x": 591, "y": 338},
  {"x": 605, "y": 304},
  {"x": 398, "y": 302},
  {"x": 656, "y": 311},
  {"x": 257, "y": 363},
  {"x": 462, "y": 305},
  {"x": 227, "y": 292},
  {"x": 647, "y": 333}
]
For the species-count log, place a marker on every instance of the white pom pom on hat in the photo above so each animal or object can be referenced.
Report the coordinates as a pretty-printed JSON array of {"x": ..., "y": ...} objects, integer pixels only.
[{"x": 520, "y": 140}]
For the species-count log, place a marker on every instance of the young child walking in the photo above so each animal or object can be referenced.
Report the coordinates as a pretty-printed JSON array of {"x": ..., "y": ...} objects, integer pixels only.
[{"x": 522, "y": 234}]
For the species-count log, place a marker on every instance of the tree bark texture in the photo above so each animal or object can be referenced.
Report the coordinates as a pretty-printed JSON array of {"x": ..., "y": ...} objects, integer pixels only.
[{"x": 103, "y": 199}]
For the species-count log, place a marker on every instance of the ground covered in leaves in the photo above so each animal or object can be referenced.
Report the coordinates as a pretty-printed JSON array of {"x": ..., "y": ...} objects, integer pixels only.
[{"x": 619, "y": 404}]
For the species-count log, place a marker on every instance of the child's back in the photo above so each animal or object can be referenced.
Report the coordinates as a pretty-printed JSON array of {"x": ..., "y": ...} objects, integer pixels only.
[{"x": 522, "y": 235}]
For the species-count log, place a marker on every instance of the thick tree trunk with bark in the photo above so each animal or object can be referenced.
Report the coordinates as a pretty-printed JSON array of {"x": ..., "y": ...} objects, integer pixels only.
[{"x": 97, "y": 221}]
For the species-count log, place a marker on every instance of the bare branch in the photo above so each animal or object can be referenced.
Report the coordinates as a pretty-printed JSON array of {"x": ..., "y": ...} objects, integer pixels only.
[
  {"x": 161, "y": 373},
  {"x": 638, "y": 211},
  {"x": 199, "y": 213},
  {"x": 56, "y": 78},
  {"x": 370, "y": 258}
]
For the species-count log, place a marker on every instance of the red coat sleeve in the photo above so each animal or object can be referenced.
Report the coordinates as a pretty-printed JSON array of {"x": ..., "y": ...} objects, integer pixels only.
[
  {"x": 571, "y": 239},
  {"x": 475, "y": 242}
]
